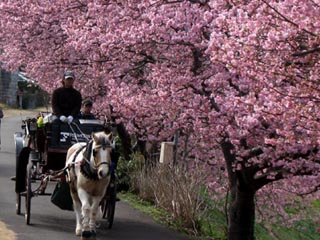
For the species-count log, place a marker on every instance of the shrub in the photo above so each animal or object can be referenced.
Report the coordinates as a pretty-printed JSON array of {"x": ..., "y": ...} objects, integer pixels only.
[{"x": 172, "y": 188}]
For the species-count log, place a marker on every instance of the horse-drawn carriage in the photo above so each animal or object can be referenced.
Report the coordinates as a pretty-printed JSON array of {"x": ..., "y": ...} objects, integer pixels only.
[{"x": 38, "y": 161}]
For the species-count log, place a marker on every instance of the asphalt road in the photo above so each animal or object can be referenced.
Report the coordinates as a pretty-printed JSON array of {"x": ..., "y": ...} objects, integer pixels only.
[{"x": 49, "y": 222}]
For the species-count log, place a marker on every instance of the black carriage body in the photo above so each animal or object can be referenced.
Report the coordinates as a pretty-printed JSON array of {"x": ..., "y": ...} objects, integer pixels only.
[
  {"x": 79, "y": 131},
  {"x": 36, "y": 159},
  {"x": 38, "y": 139}
]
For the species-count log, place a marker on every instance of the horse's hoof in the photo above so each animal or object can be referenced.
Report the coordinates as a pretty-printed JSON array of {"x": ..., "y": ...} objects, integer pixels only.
[
  {"x": 88, "y": 235},
  {"x": 85, "y": 235},
  {"x": 78, "y": 232},
  {"x": 93, "y": 235}
]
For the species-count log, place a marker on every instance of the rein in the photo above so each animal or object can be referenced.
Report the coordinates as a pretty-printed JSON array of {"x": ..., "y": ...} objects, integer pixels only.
[
  {"x": 104, "y": 145},
  {"x": 74, "y": 132}
]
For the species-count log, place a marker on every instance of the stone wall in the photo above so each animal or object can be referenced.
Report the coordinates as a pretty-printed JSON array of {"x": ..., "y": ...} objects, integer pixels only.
[
  {"x": 16, "y": 92},
  {"x": 8, "y": 88}
]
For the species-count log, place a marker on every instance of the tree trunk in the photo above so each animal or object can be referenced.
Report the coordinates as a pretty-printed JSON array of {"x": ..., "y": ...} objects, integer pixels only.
[
  {"x": 241, "y": 212},
  {"x": 123, "y": 135},
  {"x": 125, "y": 140},
  {"x": 242, "y": 215}
]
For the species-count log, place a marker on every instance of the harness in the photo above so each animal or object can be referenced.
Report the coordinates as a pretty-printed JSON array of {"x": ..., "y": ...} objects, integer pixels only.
[{"x": 85, "y": 168}]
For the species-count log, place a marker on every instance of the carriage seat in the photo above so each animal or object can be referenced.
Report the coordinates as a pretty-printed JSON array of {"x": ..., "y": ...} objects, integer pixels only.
[{"x": 79, "y": 131}]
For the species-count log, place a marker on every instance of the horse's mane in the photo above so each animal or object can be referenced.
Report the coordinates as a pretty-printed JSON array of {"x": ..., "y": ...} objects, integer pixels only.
[{"x": 100, "y": 138}]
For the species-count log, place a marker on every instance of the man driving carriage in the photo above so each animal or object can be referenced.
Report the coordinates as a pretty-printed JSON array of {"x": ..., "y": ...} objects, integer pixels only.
[{"x": 66, "y": 104}]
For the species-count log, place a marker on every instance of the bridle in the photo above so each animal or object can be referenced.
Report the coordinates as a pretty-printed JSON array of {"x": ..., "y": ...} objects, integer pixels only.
[
  {"x": 90, "y": 169},
  {"x": 104, "y": 145}
]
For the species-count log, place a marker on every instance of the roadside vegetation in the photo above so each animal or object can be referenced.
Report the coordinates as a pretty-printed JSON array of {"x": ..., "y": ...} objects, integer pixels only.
[
  {"x": 23, "y": 112},
  {"x": 180, "y": 200}
]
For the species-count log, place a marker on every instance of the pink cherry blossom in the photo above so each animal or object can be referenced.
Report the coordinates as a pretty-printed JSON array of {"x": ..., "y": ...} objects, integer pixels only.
[{"x": 238, "y": 79}]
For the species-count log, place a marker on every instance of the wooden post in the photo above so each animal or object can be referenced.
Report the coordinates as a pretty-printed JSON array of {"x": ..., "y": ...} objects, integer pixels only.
[{"x": 166, "y": 153}]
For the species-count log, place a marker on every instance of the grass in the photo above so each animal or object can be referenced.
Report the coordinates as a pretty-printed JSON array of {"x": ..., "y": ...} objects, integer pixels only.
[
  {"x": 15, "y": 111},
  {"x": 146, "y": 207}
]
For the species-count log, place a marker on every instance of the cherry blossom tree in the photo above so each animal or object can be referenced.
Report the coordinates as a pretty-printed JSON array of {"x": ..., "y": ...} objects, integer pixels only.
[
  {"x": 236, "y": 76},
  {"x": 272, "y": 50}
]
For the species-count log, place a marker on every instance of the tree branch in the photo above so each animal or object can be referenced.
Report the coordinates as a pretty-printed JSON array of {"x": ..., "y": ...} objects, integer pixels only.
[{"x": 303, "y": 53}]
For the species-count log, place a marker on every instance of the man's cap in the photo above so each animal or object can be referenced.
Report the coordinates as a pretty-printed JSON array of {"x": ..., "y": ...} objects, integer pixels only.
[
  {"x": 68, "y": 74},
  {"x": 86, "y": 102}
]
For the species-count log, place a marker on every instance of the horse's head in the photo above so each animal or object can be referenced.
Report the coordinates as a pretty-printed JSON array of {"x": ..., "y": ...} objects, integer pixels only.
[{"x": 101, "y": 153}]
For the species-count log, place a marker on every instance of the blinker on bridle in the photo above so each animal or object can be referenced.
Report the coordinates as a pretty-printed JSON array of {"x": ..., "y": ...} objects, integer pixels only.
[
  {"x": 104, "y": 145},
  {"x": 85, "y": 166}
]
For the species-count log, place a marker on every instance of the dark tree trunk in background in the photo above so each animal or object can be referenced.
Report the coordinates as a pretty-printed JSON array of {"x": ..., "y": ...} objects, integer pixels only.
[
  {"x": 125, "y": 141},
  {"x": 142, "y": 147},
  {"x": 123, "y": 135},
  {"x": 241, "y": 211},
  {"x": 241, "y": 215}
]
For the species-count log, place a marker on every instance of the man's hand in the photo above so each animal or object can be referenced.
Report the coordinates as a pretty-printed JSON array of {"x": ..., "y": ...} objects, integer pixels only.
[
  {"x": 63, "y": 118},
  {"x": 70, "y": 119}
]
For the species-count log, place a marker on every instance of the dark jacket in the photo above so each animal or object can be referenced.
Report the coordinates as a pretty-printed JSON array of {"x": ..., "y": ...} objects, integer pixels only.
[
  {"x": 82, "y": 115},
  {"x": 66, "y": 101}
]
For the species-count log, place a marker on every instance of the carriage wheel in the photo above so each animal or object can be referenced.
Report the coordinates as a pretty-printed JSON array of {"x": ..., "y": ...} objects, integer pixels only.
[
  {"x": 28, "y": 193},
  {"x": 18, "y": 203},
  {"x": 104, "y": 204},
  {"x": 109, "y": 205},
  {"x": 20, "y": 181},
  {"x": 103, "y": 207}
]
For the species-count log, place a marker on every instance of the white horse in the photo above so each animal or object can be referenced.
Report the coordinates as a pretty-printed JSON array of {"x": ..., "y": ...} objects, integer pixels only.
[{"x": 89, "y": 176}]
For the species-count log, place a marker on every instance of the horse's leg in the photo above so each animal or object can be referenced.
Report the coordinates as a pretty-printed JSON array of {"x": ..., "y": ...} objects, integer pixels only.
[
  {"x": 77, "y": 209},
  {"x": 84, "y": 198},
  {"x": 93, "y": 213}
]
